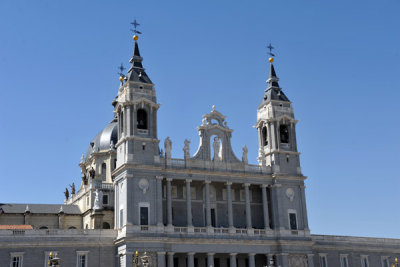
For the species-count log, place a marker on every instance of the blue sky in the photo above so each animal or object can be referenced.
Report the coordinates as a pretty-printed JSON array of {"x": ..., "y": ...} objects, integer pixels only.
[{"x": 338, "y": 62}]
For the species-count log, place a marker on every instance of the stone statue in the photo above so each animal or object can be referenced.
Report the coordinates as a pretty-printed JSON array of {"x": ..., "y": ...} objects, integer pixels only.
[
  {"x": 66, "y": 193},
  {"x": 97, "y": 203},
  {"x": 72, "y": 189},
  {"x": 84, "y": 179},
  {"x": 216, "y": 146},
  {"x": 168, "y": 147},
  {"x": 204, "y": 121},
  {"x": 244, "y": 157},
  {"x": 92, "y": 173},
  {"x": 186, "y": 149},
  {"x": 145, "y": 260},
  {"x": 112, "y": 147}
]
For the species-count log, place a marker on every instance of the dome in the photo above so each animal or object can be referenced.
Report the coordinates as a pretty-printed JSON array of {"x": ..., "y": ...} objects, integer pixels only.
[{"x": 103, "y": 139}]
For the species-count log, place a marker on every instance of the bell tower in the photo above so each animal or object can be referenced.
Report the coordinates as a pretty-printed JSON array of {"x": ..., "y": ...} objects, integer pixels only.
[
  {"x": 276, "y": 128},
  {"x": 136, "y": 110}
]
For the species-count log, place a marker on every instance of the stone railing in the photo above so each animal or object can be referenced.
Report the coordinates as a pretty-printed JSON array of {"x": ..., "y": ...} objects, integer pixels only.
[
  {"x": 215, "y": 166},
  {"x": 58, "y": 232}
]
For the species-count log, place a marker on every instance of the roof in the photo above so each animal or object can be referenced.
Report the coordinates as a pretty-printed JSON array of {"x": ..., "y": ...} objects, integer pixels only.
[
  {"x": 16, "y": 227},
  {"x": 103, "y": 139},
  {"x": 273, "y": 91},
  {"x": 39, "y": 208},
  {"x": 137, "y": 73}
]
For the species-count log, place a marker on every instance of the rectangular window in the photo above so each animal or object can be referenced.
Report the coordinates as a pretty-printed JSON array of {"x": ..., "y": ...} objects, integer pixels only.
[
  {"x": 293, "y": 221},
  {"x": 385, "y": 262},
  {"x": 16, "y": 259},
  {"x": 87, "y": 200},
  {"x": 81, "y": 258},
  {"x": 364, "y": 261},
  {"x": 144, "y": 216},
  {"x": 344, "y": 261},
  {"x": 105, "y": 199},
  {"x": 323, "y": 261}
]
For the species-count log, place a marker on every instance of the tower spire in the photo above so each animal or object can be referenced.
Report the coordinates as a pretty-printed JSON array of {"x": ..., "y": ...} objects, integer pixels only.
[
  {"x": 137, "y": 73},
  {"x": 273, "y": 91}
]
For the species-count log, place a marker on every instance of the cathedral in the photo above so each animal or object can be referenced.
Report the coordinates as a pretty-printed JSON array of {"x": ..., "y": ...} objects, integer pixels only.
[{"x": 139, "y": 206}]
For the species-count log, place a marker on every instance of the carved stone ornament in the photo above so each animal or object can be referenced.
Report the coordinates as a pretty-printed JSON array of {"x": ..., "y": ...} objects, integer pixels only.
[
  {"x": 298, "y": 261},
  {"x": 143, "y": 185},
  {"x": 290, "y": 194}
]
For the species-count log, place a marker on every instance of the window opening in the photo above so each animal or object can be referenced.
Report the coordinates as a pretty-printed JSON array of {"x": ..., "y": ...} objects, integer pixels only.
[
  {"x": 104, "y": 171},
  {"x": 293, "y": 221},
  {"x": 144, "y": 216},
  {"x": 106, "y": 225},
  {"x": 264, "y": 136},
  {"x": 105, "y": 199},
  {"x": 284, "y": 133},
  {"x": 141, "y": 119}
]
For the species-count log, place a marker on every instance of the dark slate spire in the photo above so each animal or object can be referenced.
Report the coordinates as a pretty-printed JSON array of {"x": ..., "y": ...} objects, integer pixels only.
[
  {"x": 273, "y": 91},
  {"x": 137, "y": 73}
]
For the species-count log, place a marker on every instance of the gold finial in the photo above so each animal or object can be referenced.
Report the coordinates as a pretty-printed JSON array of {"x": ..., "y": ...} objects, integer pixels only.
[
  {"x": 137, "y": 253},
  {"x": 135, "y": 37},
  {"x": 121, "y": 79},
  {"x": 51, "y": 255},
  {"x": 271, "y": 59}
]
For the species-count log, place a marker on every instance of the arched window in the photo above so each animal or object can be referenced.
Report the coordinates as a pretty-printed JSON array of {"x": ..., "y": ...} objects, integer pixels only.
[
  {"x": 43, "y": 227},
  {"x": 72, "y": 227},
  {"x": 141, "y": 119},
  {"x": 284, "y": 133},
  {"x": 104, "y": 171},
  {"x": 106, "y": 225},
  {"x": 264, "y": 137}
]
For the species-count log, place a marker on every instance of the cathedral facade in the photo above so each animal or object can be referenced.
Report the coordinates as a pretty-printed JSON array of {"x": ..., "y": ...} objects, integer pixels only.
[{"x": 137, "y": 205}]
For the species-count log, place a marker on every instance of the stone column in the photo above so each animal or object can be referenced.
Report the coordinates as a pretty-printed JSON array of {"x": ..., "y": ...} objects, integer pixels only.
[
  {"x": 128, "y": 259},
  {"x": 265, "y": 206},
  {"x": 275, "y": 205},
  {"x": 208, "y": 209},
  {"x": 232, "y": 259},
  {"x": 248, "y": 209},
  {"x": 161, "y": 259},
  {"x": 171, "y": 259},
  {"x": 188, "y": 204},
  {"x": 169, "y": 203},
  {"x": 129, "y": 120},
  {"x": 229, "y": 204},
  {"x": 190, "y": 256},
  {"x": 210, "y": 259},
  {"x": 269, "y": 135},
  {"x": 310, "y": 260},
  {"x": 303, "y": 206},
  {"x": 252, "y": 262},
  {"x": 159, "y": 201}
]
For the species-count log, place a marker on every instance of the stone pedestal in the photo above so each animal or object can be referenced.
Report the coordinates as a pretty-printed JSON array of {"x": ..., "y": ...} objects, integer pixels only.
[{"x": 97, "y": 219}]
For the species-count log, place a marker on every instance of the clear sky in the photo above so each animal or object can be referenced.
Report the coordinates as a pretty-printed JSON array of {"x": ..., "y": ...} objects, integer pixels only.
[{"x": 338, "y": 62}]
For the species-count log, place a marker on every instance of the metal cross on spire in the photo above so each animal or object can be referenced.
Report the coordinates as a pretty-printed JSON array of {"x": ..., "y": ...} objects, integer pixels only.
[
  {"x": 135, "y": 24},
  {"x": 270, "y": 47},
  {"x": 121, "y": 69}
]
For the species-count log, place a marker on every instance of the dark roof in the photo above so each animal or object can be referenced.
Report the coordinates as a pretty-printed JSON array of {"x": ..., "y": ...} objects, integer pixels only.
[
  {"x": 137, "y": 73},
  {"x": 103, "y": 139},
  {"x": 273, "y": 91},
  {"x": 39, "y": 208}
]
